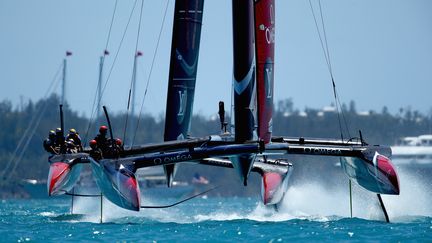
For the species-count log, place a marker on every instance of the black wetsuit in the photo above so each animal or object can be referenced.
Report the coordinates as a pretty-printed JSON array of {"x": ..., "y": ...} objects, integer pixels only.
[
  {"x": 49, "y": 146},
  {"x": 77, "y": 140},
  {"x": 103, "y": 143},
  {"x": 59, "y": 143},
  {"x": 96, "y": 154}
]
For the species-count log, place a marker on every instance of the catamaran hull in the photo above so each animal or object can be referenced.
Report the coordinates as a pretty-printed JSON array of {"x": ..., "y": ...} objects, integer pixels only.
[
  {"x": 117, "y": 183},
  {"x": 274, "y": 186},
  {"x": 377, "y": 175},
  {"x": 62, "y": 177}
]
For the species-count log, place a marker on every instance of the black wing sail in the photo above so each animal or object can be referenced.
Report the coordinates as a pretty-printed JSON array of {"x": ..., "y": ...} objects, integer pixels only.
[
  {"x": 183, "y": 68},
  {"x": 244, "y": 82}
]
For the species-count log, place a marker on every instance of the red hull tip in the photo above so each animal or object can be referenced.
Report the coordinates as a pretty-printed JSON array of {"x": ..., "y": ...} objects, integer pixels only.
[
  {"x": 388, "y": 169},
  {"x": 56, "y": 178},
  {"x": 271, "y": 183},
  {"x": 131, "y": 188},
  {"x": 118, "y": 184}
]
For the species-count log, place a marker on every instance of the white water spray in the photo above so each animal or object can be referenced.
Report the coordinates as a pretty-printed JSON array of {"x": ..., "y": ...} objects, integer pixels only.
[
  {"x": 306, "y": 200},
  {"x": 314, "y": 201}
]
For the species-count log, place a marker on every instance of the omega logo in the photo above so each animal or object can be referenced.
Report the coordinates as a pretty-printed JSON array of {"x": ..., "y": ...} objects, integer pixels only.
[{"x": 324, "y": 151}]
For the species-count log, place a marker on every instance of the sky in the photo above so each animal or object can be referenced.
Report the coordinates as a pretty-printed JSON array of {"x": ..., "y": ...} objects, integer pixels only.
[{"x": 380, "y": 51}]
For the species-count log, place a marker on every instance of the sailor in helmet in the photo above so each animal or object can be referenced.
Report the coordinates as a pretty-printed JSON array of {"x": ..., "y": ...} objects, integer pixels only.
[
  {"x": 73, "y": 134},
  {"x": 95, "y": 151},
  {"x": 59, "y": 140},
  {"x": 102, "y": 141},
  {"x": 71, "y": 147},
  {"x": 49, "y": 143},
  {"x": 119, "y": 146}
]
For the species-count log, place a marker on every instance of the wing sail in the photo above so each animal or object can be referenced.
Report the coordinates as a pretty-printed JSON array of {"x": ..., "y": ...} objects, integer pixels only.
[
  {"x": 264, "y": 44},
  {"x": 183, "y": 69},
  {"x": 244, "y": 82}
]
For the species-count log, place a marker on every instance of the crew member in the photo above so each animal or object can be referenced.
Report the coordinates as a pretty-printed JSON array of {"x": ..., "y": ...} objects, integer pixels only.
[
  {"x": 102, "y": 141},
  {"x": 71, "y": 147},
  {"x": 95, "y": 152},
  {"x": 76, "y": 138},
  {"x": 60, "y": 141},
  {"x": 119, "y": 146},
  {"x": 49, "y": 143}
]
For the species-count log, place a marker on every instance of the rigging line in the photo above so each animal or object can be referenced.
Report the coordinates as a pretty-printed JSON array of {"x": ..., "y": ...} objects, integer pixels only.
[
  {"x": 133, "y": 79},
  {"x": 182, "y": 201},
  {"x": 102, "y": 64},
  {"x": 118, "y": 50},
  {"x": 93, "y": 110},
  {"x": 320, "y": 38},
  {"x": 324, "y": 46},
  {"x": 18, "y": 160},
  {"x": 325, "y": 37},
  {"x": 331, "y": 69},
  {"x": 21, "y": 141},
  {"x": 110, "y": 28},
  {"x": 151, "y": 71},
  {"x": 38, "y": 119},
  {"x": 80, "y": 195},
  {"x": 343, "y": 117},
  {"x": 40, "y": 115},
  {"x": 338, "y": 114},
  {"x": 112, "y": 67}
]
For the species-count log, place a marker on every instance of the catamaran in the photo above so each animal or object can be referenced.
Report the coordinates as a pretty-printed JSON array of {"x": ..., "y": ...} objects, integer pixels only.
[{"x": 250, "y": 146}]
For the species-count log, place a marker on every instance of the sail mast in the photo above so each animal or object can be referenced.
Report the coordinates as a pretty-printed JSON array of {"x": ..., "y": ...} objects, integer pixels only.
[
  {"x": 63, "y": 96},
  {"x": 99, "y": 88},
  {"x": 133, "y": 98}
]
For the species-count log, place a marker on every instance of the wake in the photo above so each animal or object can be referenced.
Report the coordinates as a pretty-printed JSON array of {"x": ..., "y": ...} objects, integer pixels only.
[{"x": 306, "y": 201}]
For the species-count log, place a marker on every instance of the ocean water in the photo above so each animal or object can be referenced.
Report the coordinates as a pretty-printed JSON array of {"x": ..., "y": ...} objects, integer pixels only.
[{"x": 309, "y": 212}]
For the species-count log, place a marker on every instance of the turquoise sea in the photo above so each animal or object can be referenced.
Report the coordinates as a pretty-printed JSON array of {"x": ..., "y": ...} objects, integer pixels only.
[{"x": 210, "y": 219}]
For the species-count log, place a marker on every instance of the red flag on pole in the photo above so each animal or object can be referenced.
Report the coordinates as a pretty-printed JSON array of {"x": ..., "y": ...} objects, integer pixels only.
[
  {"x": 106, "y": 52},
  {"x": 139, "y": 53},
  {"x": 68, "y": 53}
]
